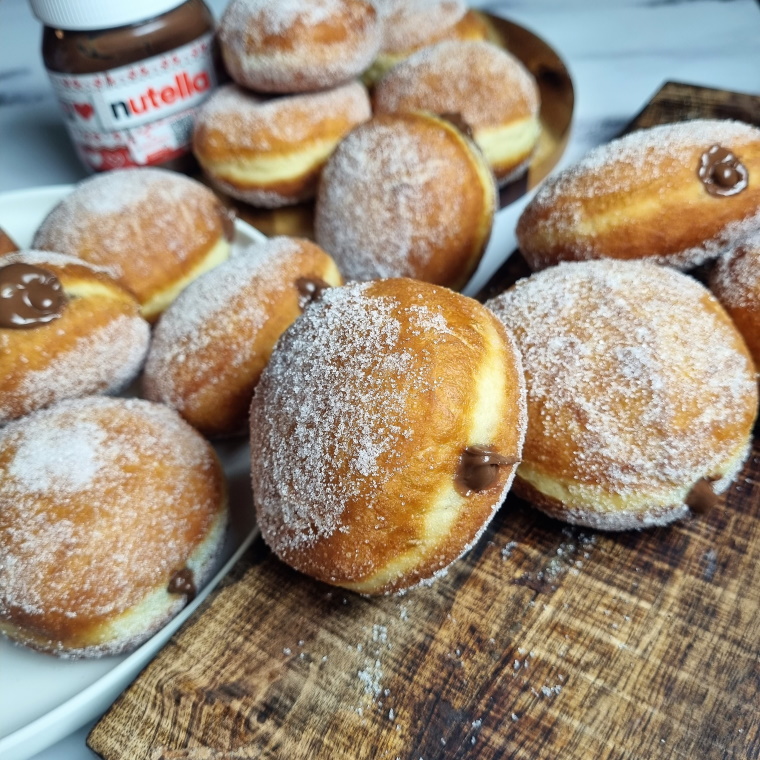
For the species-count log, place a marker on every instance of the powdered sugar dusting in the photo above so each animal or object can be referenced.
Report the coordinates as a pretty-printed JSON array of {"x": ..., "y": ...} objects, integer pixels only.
[
  {"x": 390, "y": 195},
  {"x": 637, "y": 367},
  {"x": 485, "y": 84},
  {"x": 244, "y": 120},
  {"x": 252, "y": 32},
  {"x": 98, "y": 501}
]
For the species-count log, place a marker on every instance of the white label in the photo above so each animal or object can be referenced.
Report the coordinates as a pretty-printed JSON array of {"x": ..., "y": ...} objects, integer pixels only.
[{"x": 140, "y": 114}]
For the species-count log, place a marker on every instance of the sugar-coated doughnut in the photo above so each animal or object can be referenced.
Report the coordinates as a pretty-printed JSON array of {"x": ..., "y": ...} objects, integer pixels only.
[
  {"x": 67, "y": 329},
  {"x": 492, "y": 92},
  {"x": 406, "y": 195},
  {"x": 211, "y": 345},
  {"x": 678, "y": 194},
  {"x": 384, "y": 433},
  {"x": 288, "y": 46},
  {"x": 735, "y": 281},
  {"x": 155, "y": 230},
  {"x": 111, "y": 512},
  {"x": 410, "y": 27},
  {"x": 270, "y": 151},
  {"x": 641, "y": 392}
]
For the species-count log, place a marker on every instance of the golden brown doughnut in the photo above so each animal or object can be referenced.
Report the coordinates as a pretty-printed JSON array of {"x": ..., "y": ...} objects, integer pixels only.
[
  {"x": 270, "y": 151},
  {"x": 285, "y": 46},
  {"x": 211, "y": 345},
  {"x": 89, "y": 338},
  {"x": 410, "y": 27},
  {"x": 494, "y": 94},
  {"x": 111, "y": 513},
  {"x": 406, "y": 195},
  {"x": 642, "y": 196},
  {"x": 155, "y": 230},
  {"x": 384, "y": 433},
  {"x": 641, "y": 393},
  {"x": 735, "y": 281}
]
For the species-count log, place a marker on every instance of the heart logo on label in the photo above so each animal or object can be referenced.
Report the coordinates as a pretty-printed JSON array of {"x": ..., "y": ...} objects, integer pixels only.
[{"x": 85, "y": 110}]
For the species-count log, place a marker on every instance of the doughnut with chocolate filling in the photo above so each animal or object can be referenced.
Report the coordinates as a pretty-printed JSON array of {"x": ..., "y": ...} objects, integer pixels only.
[
  {"x": 641, "y": 393},
  {"x": 111, "y": 513},
  {"x": 155, "y": 230},
  {"x": 678, "y": 194},
  {"x": 384, "y": 433},
  {"x": 735, "y": 281},
  {"x": 67, "y": 329},
  {"x": 285, "y": 47},
  {"x": 406, "y": 195},
  {"x": 492, "y": 92},
  {"x": 270, "y": 151},
  {"x": 211, "y": 345}
]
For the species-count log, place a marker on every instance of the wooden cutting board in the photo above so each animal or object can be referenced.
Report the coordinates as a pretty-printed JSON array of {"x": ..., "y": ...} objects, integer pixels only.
[{"x": 545, "y": 642}]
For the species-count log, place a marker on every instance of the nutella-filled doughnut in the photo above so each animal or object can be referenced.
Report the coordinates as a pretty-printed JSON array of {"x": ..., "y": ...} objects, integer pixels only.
[
  {"x": 154, "y": 230},
  {"x": 111, "y": 512},
  {"x": 735, "y": 281},
  {"x": 485, "y": 86},
  {"x": 678, "y": 194},
  {"x": 288, "y": 46},
  {"x": 67, "y": 329},
  {"x": 406, "y": 195},
  {"x": 385, "y": 431},
  {"x": 270, "y": 151},
  {"x": 211, "y": 345},
  {"x": 641, "y": 393}
]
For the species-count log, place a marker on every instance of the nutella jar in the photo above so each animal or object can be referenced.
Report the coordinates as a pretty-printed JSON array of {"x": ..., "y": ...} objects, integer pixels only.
[{"x": 129, "y": 76}]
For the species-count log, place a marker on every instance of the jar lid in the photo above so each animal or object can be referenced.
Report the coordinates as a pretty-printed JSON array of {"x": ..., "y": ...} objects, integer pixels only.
[{"x": 84, "y": 15}]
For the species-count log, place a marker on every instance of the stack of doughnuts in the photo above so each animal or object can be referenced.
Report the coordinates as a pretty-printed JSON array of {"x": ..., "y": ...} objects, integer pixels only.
[{"x": 296, "y": 66}]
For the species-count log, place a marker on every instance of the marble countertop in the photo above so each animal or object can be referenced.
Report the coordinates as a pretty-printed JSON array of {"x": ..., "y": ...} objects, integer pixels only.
[{"x": 619, "y": 52}]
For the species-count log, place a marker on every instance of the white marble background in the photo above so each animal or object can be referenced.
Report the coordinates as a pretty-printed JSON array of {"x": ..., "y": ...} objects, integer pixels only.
[{"x": 619, "y": 52}]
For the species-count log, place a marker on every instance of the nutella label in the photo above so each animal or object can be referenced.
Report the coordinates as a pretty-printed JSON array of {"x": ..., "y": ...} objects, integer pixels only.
[{"x": 141, "y": 114}]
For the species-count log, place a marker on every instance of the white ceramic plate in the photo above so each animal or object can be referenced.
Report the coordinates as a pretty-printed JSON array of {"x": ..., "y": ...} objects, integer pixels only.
[{"x": 43, "y": 698}]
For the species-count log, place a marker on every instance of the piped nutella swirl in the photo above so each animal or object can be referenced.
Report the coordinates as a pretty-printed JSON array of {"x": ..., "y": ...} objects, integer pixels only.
[
  {"x": 29, "y": 296},
  {"x": 721, "y": 172},
  {"x": 182, "y": 583}
]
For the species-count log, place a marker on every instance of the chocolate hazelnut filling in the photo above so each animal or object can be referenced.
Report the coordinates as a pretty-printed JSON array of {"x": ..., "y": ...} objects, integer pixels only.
[
  {"x": 183, "y": 583},
  {"x": 702, "y": 498},
  {"x": 29, "y": 296},
  {"x": 310, "y": 289},
  {"x": 479, "y": 469},
  {"x": 721, "y": 172}
]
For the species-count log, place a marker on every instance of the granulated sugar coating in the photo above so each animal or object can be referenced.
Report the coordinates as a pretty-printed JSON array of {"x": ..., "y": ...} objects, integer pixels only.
[
  {"x": 735, "y": 280},
  {"x": 298, "y": 45},
  {"x": 358, "y": 425},
  {"x": 97, "y": 345},
  {"x": 640, "y": 197},
  {"x": 236, "y": 119},
  {"x": 484, "y": 84},
  {"x": 101, "y": 501},
  {"x": 403, "y": 196},
  {"x": 412, "y": 23},
  {"x": 639, "y": 386},
  {"x": 213, "y": 342},
  {"x": 144, "y": 225}
]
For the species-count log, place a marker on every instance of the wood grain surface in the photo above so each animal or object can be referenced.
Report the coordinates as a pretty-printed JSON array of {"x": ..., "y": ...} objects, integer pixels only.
[{"x": 545, "y": 641}]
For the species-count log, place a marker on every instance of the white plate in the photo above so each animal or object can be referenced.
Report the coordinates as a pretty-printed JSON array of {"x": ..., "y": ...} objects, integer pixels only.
[{"x": 43, "y": 698}]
